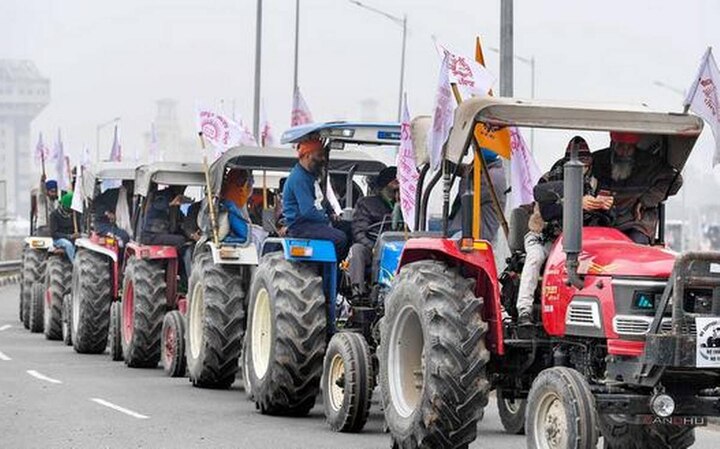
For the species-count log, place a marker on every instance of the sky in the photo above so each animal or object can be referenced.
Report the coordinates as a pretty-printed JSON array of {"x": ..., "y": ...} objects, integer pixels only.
[{"x": 108, "y": 58}]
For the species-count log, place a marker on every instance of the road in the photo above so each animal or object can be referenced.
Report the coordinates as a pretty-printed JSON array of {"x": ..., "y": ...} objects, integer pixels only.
[{"x": 52, "y": 397}]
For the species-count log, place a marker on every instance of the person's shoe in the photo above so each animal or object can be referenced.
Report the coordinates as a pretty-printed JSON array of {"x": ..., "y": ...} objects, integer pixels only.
[{"x": 525, "y": 319}]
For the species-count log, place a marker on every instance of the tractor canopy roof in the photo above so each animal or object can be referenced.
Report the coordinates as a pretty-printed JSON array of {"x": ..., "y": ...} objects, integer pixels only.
[
  {"x": 284, "y": 159},
  {"x": 168, "y": 173},
  {"x": 341, "y": 132},
  {"x": 681, "y": 130},
  {"x": 106, "y": 171}
]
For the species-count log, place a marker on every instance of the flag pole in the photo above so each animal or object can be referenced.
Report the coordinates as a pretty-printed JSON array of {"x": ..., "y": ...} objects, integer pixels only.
[{"x": 209, "y": 193}]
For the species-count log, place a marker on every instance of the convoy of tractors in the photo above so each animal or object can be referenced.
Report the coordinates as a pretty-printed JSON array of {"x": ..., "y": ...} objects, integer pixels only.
[{"x": 620, "y": 345}]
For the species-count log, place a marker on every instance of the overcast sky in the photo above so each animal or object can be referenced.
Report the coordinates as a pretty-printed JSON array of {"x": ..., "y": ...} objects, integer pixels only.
[{"x": 115, "y": 58}]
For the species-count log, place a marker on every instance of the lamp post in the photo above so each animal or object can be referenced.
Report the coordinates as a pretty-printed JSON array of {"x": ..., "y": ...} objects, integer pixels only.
[
  {"x": 401, "y": 21},
  {"x": 97, "y": 135}
]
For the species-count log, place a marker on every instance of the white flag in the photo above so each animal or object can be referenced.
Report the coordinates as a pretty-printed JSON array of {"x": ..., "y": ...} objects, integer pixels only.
[
  {"x": 332, "y": 198},
  {"x": 59, "y": 157},
  {"x": 78, "y": 199},
  {"x": 407, "y": 173},
  {"x": 116, "y": 150},
  {"x": 442, "y": 116},
  {"x": 220, "y": 132},
  {"x": 470, "y": 77},
  {"x": 267, "y": 139},
  {"x": 86, "y": 159},
  {"x": 300, "y": 111},
  {"x": 524, "y": 171},
  {"x": 704, "y": 100}
]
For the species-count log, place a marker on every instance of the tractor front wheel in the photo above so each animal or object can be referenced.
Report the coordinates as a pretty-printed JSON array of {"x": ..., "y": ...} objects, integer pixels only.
[
  {"x": 32, "y": 272},
  {"x": 37, "y": 307},
  {"x": 173, "y": 344},
  {"x": 67, "y": 320},
  {"x": 114, "y": 336},
  {"x": 512, "y": 413},
  {"x": 91, "y": 300},
  {"x": 57, "y": 286}
]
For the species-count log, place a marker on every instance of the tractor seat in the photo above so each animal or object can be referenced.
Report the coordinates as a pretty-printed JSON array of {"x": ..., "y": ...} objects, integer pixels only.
[{"x": 519, "y": 218}]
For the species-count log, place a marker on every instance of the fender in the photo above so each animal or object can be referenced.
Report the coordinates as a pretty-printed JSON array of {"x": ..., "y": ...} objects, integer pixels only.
[
  {"x": 150, "y": 251},
  {"x": 478, "y": 264},
  {"x": 301, "y": 250},
  {"x": 96, "y": 247},
  {"x": 227, "y": 254},
  {"x": 38, "y": 242}
]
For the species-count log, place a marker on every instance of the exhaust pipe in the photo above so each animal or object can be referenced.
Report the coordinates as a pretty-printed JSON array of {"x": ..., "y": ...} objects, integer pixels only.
[{"x": 572, "y": 216}]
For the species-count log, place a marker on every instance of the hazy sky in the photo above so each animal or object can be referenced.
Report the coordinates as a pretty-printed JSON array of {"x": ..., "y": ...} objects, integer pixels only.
[{"x": 115, "y": 58}]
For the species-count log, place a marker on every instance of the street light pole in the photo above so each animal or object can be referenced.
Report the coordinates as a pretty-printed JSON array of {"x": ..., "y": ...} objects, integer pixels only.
[
  {"x": 258, "y": 59},
  {"x": 297, "y": 44},
  {"x": 506, "y": 48}
]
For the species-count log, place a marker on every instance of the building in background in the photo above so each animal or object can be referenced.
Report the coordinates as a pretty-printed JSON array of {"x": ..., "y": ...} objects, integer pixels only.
[
  {"x": 172, "y": 144},
  {"x": 24, "y": 93}
]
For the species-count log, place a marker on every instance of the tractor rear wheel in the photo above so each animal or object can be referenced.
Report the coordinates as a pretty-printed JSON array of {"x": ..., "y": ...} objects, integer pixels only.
[
  {"x": 561, "y": 411},
  {"x": 433, "y": 357},
  {"x": 618, "y": 433},
  {"x": 173, "y": 344},
  {"x": 25, "y": 250},
  {"x": 512, "y": 413},
  {"x": 347, "y": 382},
  {"x": 215, "y": 322},
  {"x": 91, "y": 300},
  {"x": 143, "y": 305},
  {"x": 37, "y": 307},
  {"x": 67, "y": 320},
  {"x": 57, "y": 285},
  {"x": 114, "y": 336},
  {"x": 33, "y": 271},
  {"x": 287, "y": 328}
]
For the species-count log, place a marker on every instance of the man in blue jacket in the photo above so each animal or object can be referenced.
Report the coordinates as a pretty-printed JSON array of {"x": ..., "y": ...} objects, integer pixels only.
[{"x": 303, "y": 199}]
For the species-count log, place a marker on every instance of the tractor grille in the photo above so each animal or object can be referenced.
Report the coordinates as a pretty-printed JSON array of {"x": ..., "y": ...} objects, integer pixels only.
[
  {"x": 632, "y": 325},
  {"x": 583, "y": 313},
  {"x": 689, "y": 328}
]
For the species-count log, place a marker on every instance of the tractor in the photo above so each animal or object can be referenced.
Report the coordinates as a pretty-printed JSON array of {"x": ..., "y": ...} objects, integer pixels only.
[
  {"x": 298, "y": 342},
  {"x": 616, "y": 348},
  {"x": 153, "y": 291},
  {"x": 96, "y": 274}
]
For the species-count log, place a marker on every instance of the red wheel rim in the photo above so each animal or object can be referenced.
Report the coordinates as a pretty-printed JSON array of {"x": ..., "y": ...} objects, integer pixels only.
[
  {"x": 128, "y": 324},
  {"x": 170, "y": 345},
  {"x": 48, "y": 298}
]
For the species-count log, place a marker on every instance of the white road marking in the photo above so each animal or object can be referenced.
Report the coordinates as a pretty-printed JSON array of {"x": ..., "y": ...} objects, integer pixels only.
[
  {"x": 4, "y": 357},
  {"x": 119, "y": 409},
  {"x": 37, "y": 375},
  {"x": 5, "y": 327}
]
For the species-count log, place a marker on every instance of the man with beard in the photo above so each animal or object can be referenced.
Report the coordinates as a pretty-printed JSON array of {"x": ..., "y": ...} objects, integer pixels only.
[
  {"x": 303, "y": 199},
  {"x": 639, "y": 180}
]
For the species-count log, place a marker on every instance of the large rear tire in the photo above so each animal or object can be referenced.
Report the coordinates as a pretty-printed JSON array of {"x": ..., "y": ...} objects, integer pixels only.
[
  {"x": 561, "y": 411},
  {"x": 286, "y": 330},
  {"x": 114, "y": 333},
  {"x": 433, "y": 358},
  {"x": 37, "y": 307},
  {"x": 347, "y": 382},
  {"x": 57, "y": 284},
  {"x": 91, "y": 300},
  {"x": 33, "y": 271},
  {"x": 144, "y": 304},
  {"x": 512, "y": 413},
  {"x": 215, "y": 322},
  {"x": 619, "y": 433},
  {"x": 173, "y": 344}
]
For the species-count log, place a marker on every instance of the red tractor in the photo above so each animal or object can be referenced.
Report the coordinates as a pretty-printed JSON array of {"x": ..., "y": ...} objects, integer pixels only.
[
  {"x": 625, "y": 333},
  {"x": 153, "y": 302},
  {"x": 96, "y": 273}
]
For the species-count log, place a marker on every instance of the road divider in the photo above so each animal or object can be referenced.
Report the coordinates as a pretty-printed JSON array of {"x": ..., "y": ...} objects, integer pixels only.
[
  {"x": 119, "y": 409},
  {"x": 37, "y": 375}
]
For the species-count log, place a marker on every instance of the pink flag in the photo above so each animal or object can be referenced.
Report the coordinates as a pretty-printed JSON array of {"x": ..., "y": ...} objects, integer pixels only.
[
  {"x": 222, "y": 133},
  {"x": 267, "y": 139},
  {"x": 300, "y": 112},
  {"x": 116, "y": 150},
  {"x": 442, "y": 116},
  {"x": 703, "y": 98},
  {"x": 524, "y": 171},
  {"x": 407, "y": 173},
  {"x": 60, "y": 161},
  {"x": 154, "y": 145},
  {"x": 471, "y": 78}
]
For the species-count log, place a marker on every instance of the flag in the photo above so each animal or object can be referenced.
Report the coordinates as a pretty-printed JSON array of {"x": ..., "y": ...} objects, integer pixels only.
[
  {"x": 41, "y": 151},
  {"x": 524, "y": 171},
  {"x": 116, "y": 150},
  {"x": 470, "y": 77},
  {"x": 221, "y": 132},
  {"x": 267, "y": 139},
  {"x": 332, "y": 198},
  {"x": 703, "y": 98},
  {"x": 442, "y": 116},
  {"x": 154, "y": 153},
  {"x": 78, "y": 199},
  {"x": 407, "y": 173},
  {"x": 300, "y": 112},
  {"x": 60, "y": 168},
  {"x": 86, "y": 159},
  {"x": 247, "y": 137}
]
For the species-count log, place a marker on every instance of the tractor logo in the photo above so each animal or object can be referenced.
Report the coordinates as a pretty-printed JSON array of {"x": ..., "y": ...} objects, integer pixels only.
[{"x": 708, "y": 342}]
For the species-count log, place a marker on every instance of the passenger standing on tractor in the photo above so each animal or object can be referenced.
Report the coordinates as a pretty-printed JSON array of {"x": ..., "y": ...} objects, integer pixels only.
[
  {"x": 545, "y": 223},
  {"x": 45, "y": 199},
  {"x": 372, "y": 215},
  {"x": 64, "y": 227},
  {"x": 639, "y": 181},
  {"x": 303, "y": 199}
]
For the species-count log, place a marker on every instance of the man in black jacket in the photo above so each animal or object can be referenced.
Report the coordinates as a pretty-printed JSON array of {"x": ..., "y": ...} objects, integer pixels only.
[
  {"x": 64, "y": 227},
  {"x": 372, "y": 214}
]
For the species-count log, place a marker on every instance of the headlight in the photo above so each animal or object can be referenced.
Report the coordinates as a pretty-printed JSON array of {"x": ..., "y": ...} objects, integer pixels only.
[{"x": 662, "y": 405}]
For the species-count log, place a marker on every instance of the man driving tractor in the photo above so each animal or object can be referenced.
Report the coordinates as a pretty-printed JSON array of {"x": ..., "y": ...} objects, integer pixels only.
[{"x": 303, "y": 199}]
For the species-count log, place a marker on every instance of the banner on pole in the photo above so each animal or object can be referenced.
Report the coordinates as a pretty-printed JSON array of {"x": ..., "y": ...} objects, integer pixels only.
[{"x": 703, "y": 98}]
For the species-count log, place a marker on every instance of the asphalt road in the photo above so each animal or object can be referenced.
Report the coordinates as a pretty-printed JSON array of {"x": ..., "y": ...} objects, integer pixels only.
[{"x": 52, "y": 397}]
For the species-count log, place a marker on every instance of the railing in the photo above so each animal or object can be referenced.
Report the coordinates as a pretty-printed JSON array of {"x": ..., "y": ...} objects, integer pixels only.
[{"x": 10, "y": 267}]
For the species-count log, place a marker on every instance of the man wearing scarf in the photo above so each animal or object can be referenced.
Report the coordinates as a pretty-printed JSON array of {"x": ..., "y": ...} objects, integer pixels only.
[{"x": 63, "y": 226}]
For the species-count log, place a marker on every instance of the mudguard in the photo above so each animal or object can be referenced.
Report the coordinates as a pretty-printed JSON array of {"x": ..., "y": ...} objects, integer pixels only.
[
  {"x": 96, "y": 247},
  {"x": 38, "y": 242},
  {"x": 229, "y": 254}
]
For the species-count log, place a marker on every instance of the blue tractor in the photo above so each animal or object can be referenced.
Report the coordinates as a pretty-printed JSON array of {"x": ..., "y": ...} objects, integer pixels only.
[{"x": 304, "y": 334}]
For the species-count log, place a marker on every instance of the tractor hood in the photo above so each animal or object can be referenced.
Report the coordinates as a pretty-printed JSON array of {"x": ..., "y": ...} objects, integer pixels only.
[{"x": 607, "y": 251}]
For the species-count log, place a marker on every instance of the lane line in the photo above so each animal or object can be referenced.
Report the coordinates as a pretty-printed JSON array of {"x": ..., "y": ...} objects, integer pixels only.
[
  {"x": 37, "y": 375},
  {"x": 5, "y": 327},
  {"x": 4, "y": 357},
  {"x": 119, "y": 409}
]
